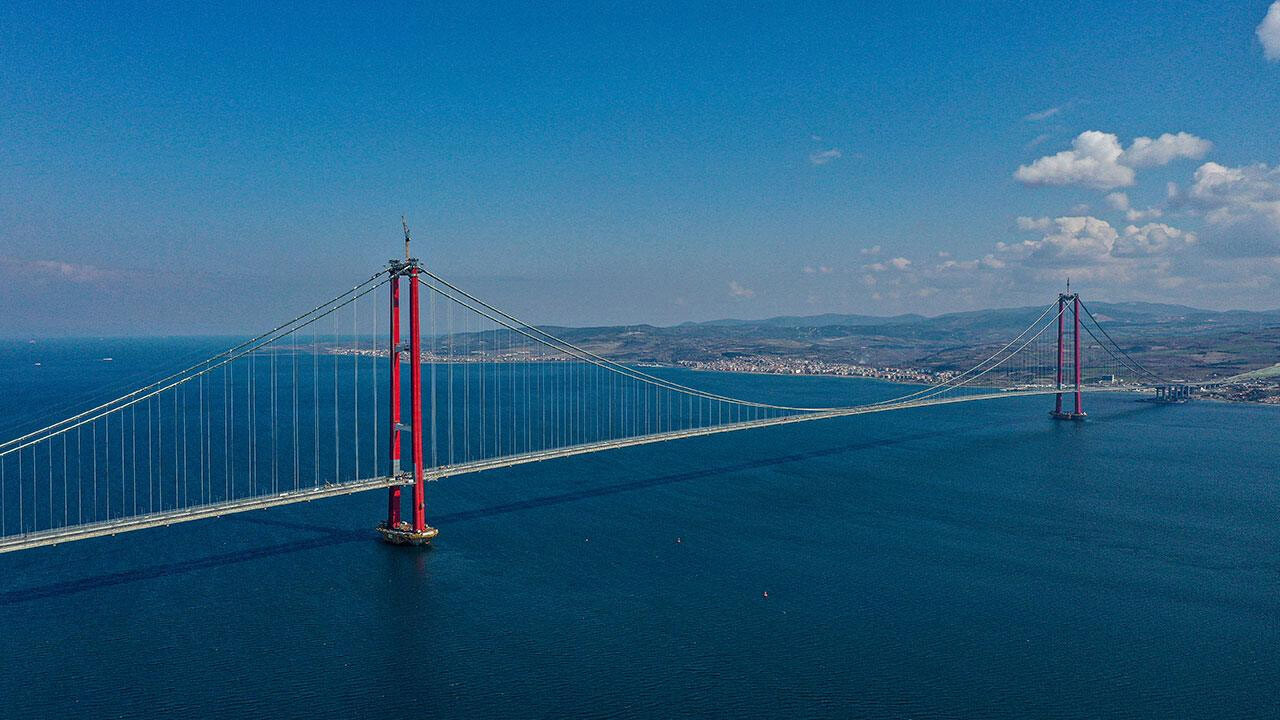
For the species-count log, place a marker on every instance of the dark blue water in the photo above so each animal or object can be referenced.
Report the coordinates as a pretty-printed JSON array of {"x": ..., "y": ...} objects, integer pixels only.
[{"x": 975, "y": 560}]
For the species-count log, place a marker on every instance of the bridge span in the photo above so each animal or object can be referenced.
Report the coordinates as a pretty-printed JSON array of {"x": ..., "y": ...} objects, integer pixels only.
[{"x": 317, "y": 407}]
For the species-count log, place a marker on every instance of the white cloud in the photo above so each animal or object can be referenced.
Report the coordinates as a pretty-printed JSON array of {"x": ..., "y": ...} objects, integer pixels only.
[
  {"x": 1120, "y": 201},
  {"x": 1236, "y": 188},
  {"x": 1153, "y": 261},
  {"x": 1151, "y": 239},
  {"x": 1093, "y": 160},
  {"x": 1072, "y": 238},
  {"x": 1042, "y": 114},
  {"x": 1096, "y": 159},
  {"x": 818, "y": 270},
  {"x": 1089, "y": 242},
  {"x": 1269, "y": 32},
  {"x": 1145, "y": 152},
  {"x": 737, "y": 290},
  {"x": 1241, "y": 207},
  {"x": 873, "y": 250},
  {"x": 1030, "y": 223},
  {"x": 898, "y": 263},
  {"x": 822, "y": 157},
  {"x": 1136, "y": 215}
]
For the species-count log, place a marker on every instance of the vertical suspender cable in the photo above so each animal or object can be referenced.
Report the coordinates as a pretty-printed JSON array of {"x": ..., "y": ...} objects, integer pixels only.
[
  {"x": 333, "y": 358},
  {"x": 293, "y": 367}
]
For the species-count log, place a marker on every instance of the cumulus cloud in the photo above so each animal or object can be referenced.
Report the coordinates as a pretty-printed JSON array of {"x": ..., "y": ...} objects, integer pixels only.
[
  {"x": 1145, "y": 152},
  {"x": 898, "y": 263},
  {"x": 1138, "y": 260},
  {"x": 1231, "y": 190},
  {"x": 737, "y": 290},
  {"x": 1120, "y": 201},
  {"x": 1269, "y": 32},
  {"x": 989, "y": 261},
  {"x": 817, "y": 270},
  {"x": 1093, "y": 160},
  {"x": 822, "y": 157},
  {"x": 1069, "y": 239},
  {"x": 1240, "y": 205},
  {"x": 1151, "y": 259},
  {"x": 1076, "y": 240},
  {"x": 1151, "y": 239},
  {"x": 1097, "y": 159}
]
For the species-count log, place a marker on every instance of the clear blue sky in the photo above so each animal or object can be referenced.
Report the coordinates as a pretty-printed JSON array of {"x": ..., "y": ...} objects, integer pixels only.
[{"x": 186, "y": 169}]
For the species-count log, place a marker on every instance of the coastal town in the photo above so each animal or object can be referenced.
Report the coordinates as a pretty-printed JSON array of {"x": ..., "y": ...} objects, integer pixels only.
[
  {"x": 807, "y": 366},
  {"x": 745, "y": 364},
  {"x": 1259, "y": 387},
  {"x": 1264, "y": 390}
]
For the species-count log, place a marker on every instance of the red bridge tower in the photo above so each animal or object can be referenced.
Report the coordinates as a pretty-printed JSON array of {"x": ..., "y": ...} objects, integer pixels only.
[
  {"x": 1078, "y": 413},
  {"x": 395, "y": 530}
]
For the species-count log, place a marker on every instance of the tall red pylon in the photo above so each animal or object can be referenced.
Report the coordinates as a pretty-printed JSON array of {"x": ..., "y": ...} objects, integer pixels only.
[
  {"x": 1075, "y": 336},
  {"x": 1078, "y": 412},
  {"x": 1057, "y": 403},
  {"x": 395, "y": 530},
  {"x": 393, "y": 499}
]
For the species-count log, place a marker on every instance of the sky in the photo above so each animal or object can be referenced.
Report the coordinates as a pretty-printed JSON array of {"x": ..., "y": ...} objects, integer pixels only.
[{"x": 167, "y": 168}]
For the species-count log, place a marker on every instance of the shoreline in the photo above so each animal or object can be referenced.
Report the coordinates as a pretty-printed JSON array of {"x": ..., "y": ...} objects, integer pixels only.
[{"x": 1065, "y": 391}]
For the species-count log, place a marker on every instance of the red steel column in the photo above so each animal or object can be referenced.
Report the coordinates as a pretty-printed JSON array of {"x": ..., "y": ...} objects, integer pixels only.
[
  {"x": 393, "y": 500},
  {"x": 415, "y": 395},
  {"x": 1057, "y": 404},
  {"x": 1075, "y": 314}
]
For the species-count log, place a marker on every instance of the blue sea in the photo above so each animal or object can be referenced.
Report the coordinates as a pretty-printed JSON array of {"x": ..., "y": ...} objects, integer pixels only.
[{"x": 968, "y": 561}]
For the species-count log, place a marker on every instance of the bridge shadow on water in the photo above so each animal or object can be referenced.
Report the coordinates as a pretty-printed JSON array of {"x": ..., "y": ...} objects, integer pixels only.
[{"x": 330, "y": 536}]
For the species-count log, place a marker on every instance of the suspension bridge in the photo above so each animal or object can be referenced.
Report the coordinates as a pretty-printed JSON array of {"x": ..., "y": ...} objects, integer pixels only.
[{"x": 343, "y": 399}]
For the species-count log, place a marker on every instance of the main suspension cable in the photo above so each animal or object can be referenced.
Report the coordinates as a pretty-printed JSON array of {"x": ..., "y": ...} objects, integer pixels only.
[
  {"x": 199, "y": 369},
  {"x": 516, "y": 325},
  {"x": 1136, "y": 366}
]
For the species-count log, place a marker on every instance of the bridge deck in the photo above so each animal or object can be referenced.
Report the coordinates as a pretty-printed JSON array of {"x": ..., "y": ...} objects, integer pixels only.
[{"x": 170, "y": 517}]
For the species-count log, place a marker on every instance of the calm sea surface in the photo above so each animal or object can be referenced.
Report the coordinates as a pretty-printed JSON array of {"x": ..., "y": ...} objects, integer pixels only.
[{"x": 977, "y": 560}]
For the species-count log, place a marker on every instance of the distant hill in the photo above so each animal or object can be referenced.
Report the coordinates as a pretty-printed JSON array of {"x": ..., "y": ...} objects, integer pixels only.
[
  {"x": 1172, "y": 337},
  {"x": 1126, "y": 312},
  {"x": 815, "y": 321}
]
